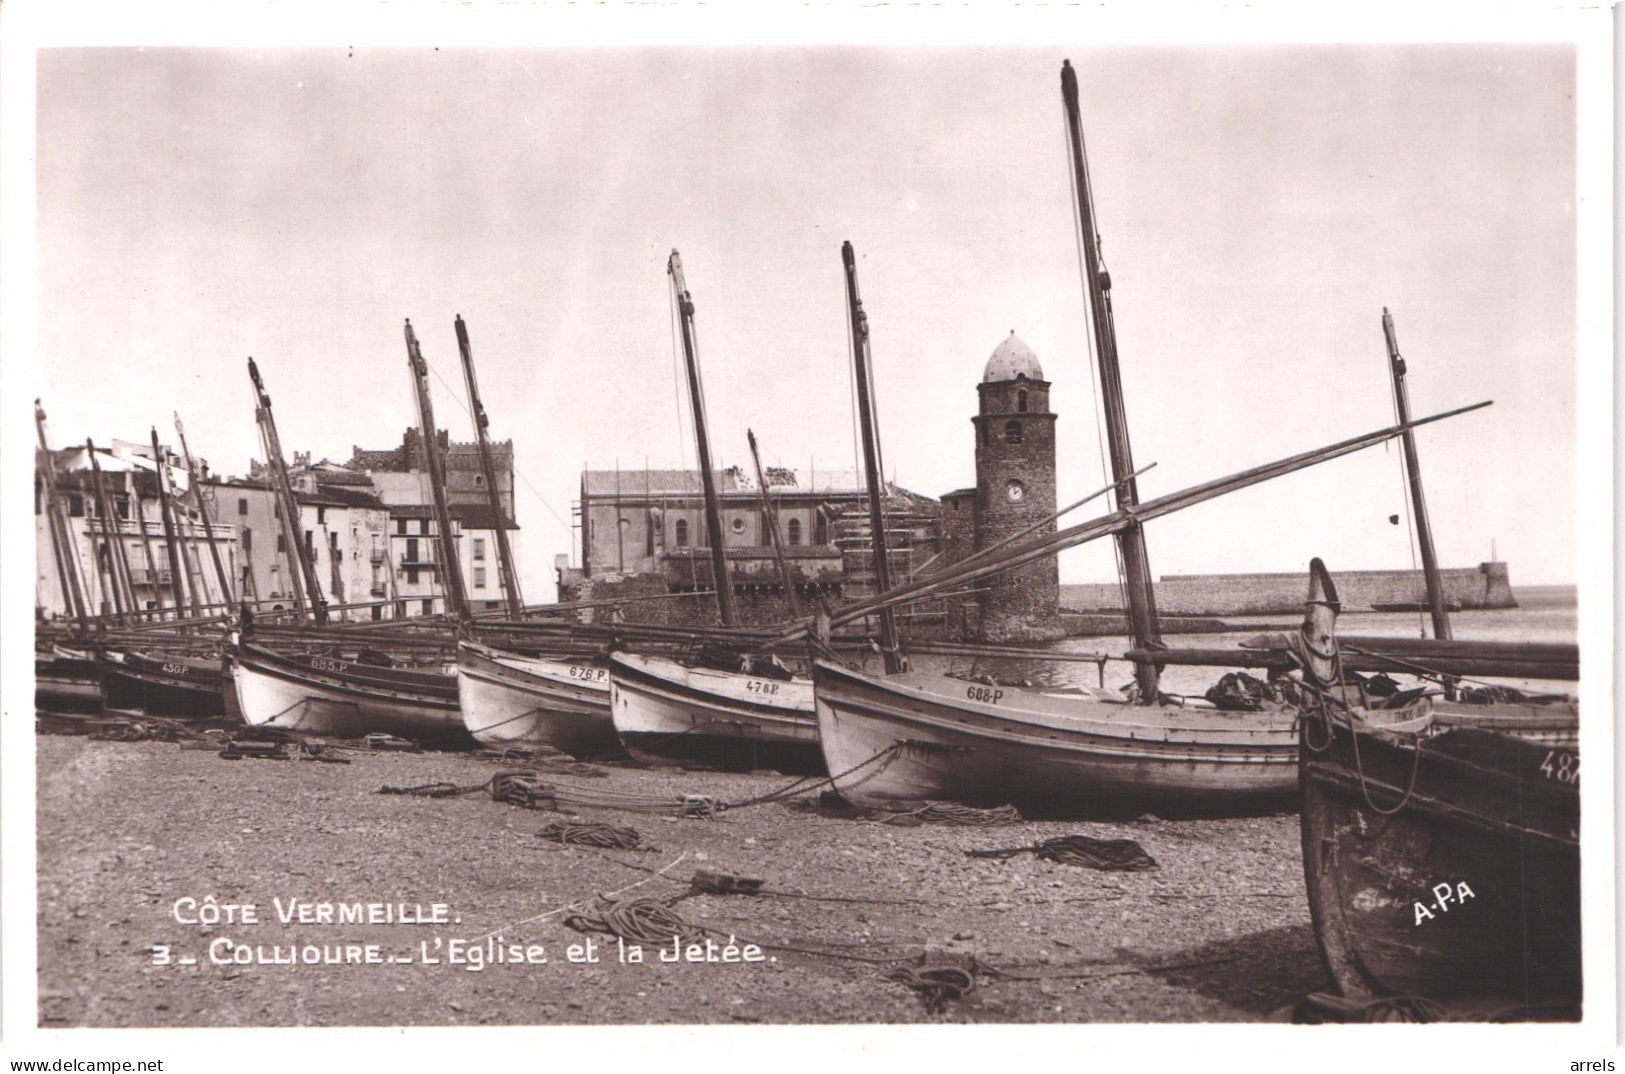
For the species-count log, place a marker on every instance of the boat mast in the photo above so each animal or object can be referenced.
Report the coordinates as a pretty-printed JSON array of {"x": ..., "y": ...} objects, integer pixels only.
[
  {"x": 1413, "y": 471},
  {"x": 146, "y": 549},
  {"x": 713, "y": 517},
  {"x": 208, "y": 520},
  {"x": 302, "y": 573},
  {"x": 773, "y": 530},
  {"x": 177, "y": 554},
  {"x": 451, "y": 571},
  {"x": 1142, "y": 608},
  {"x": 123, "y": 594},
  {"x": 66, "y": 549},
  {"x": 506, "y": 568},
  {"x": 871, "y": 458}
]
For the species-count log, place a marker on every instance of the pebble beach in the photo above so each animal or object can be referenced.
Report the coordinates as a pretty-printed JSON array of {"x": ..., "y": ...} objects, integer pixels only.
[{"x": 178, "y": 889}]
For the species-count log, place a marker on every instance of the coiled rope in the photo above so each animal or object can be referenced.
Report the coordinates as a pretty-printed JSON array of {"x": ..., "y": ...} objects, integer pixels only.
[
  {"x": 607, "y": 836},
  {"x": 937, "y": 979},
  {"x": 638, "y": 920}
]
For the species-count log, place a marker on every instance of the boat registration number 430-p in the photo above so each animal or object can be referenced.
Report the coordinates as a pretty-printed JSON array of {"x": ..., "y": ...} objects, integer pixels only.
[{"x": 988, "y": 695}]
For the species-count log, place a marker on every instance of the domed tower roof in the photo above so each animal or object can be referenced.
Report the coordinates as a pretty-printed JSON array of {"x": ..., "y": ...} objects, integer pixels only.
[{"x": 1011, "y": 359}]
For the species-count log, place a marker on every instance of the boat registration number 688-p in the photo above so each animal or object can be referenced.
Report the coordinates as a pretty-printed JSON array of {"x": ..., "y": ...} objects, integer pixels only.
[{"x": 985, "y": 694}]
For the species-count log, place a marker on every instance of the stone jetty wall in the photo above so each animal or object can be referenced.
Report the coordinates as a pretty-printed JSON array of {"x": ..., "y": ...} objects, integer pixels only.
[{"x": 1484, "y": 586}]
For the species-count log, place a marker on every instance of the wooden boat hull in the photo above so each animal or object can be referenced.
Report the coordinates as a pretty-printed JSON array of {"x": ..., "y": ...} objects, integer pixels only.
[
  {"x": 1049, "y": 753},
  {"x": 345, "y": 699},
  {"x": 669, "y": 714},
  {"x": 513, "y": 700},
  {"x": 1488, "y": 813},
  {"x": 1553, "y": 723},
  {"x": 67, "y": 684},
  {"x": 164, "y": 685}
]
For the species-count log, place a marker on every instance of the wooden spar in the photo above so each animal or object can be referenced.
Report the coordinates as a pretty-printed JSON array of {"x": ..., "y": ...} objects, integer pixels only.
[
  {"x": 987, "y": 554},
  {"x": 117, "y": 567},
  {"x": 772, "y": 518},
  {"x": 873, "y": 473},
  {"x": 171, "y": 540},
  {"x": 208, "y": 521},
  {"x": 1142, "y": 608},
  {"x": 1050, "y": 544},
  {"x": 451, "y": 572},
  {"x": 1413, "y": 471},
  {"x": 507, "y": 570},
  {"x": 63, "y": 545},
  {"x": 147, "y": 553},
  {"x": 713, "y": 518},
  {"x": 1501, "y": 660},
  {"x": 303, "y": 573}
]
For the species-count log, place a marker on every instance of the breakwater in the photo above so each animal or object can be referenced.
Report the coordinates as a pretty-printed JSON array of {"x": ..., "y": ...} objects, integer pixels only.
[{"x": 1483, "y": 587}]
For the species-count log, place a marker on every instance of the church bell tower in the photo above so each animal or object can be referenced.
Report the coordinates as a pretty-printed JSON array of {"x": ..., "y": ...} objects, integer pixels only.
[{"x": 1015, "y": 488}]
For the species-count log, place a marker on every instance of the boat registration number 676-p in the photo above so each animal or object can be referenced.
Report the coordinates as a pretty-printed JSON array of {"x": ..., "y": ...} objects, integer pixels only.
[{"x": 986, "y": 694}]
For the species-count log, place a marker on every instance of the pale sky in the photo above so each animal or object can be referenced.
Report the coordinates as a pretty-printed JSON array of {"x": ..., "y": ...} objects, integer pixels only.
[{"x": 1259, "y": 206}]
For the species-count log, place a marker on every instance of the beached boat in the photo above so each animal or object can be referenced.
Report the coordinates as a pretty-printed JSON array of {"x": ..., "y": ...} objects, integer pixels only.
[
  {"x": 321, "y": 695},
  {"x": 671, "y": 714},
  {"x": 67, "y": 681},
  {"x": 513, "y": 700},
  {"x": 918, "y": 736},
  {"x": 164, "y": 684},
  {"x": 1444, "y": 864},
  {"x": 907, "y": 736}
]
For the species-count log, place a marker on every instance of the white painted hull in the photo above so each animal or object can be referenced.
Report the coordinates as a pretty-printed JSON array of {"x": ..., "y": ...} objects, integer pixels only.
[
  {"x": 669, "y": 714},
  {"x": 919, "y": 736},
  {"x": 273, "y": 693},
  {"x": 512, "y": 700}
]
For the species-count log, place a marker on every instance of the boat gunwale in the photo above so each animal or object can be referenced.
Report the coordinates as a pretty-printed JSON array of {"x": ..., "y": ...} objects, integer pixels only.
[{"x": 263, "y": 662}]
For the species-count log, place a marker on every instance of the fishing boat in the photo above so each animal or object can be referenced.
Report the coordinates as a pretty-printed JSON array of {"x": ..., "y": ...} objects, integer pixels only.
[
  {"x": 164, "y": 684},
  {"x": 917, "y": 736},
  {"x": 512, "y": 700},
  {"x": 907, "y": 736},
  {"x": 669, "y": 713},
  {"x": 67, "y": 680},
  {"x": 1443, "y": 862},
  {"x": 322, "y": 695}
]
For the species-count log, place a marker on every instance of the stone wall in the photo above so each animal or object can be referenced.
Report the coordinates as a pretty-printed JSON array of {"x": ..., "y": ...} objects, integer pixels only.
[
  {"x": 753, "y": 606},
  {"x": 1484, "y": 586}
]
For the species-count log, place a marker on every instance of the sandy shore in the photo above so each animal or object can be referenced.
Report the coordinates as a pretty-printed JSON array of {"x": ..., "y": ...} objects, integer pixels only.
[{"x": 1219, "y": 932}]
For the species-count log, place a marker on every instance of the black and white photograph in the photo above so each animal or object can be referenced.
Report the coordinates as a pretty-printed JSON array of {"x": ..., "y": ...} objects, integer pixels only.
[{"x": 630, "y": 530}]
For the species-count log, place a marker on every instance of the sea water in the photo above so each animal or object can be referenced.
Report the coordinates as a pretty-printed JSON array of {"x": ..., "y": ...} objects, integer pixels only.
[{"x": 1544, "y": 614}]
